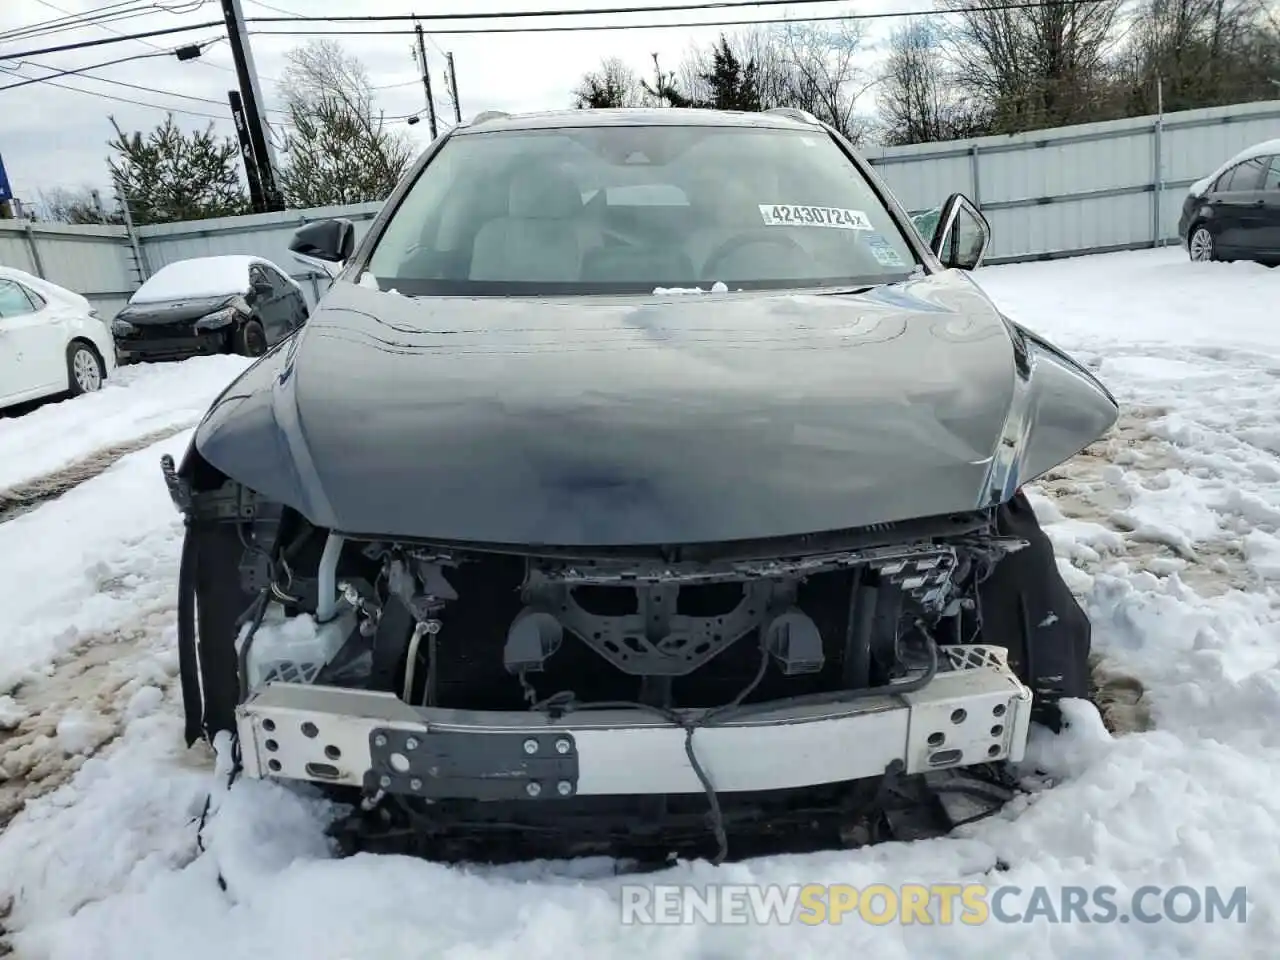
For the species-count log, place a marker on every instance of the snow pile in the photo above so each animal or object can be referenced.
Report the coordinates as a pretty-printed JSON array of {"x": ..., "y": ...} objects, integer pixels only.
[
  {"x": 717, "y": 287},
  {"x": 108, "y": 867}
]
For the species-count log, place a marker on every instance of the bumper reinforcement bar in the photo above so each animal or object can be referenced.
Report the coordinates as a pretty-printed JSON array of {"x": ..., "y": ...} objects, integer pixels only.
[{"x": 974, "y": 711}]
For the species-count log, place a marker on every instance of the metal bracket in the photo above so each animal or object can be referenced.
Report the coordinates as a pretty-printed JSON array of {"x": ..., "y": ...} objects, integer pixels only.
[
  {"x": 478, "y": 766},
  {"x": 656, "y": 640},
  {"x": 179, "y": 489}
]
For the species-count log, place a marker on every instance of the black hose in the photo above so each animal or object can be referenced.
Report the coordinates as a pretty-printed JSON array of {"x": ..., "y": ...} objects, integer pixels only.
[{"x": 736, "y": 709}]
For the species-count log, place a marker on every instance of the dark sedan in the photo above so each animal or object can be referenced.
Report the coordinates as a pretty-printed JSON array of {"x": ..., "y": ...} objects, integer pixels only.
[
  {"x": 228, "y": 304},
  {"x": 1234, "y": 214}
]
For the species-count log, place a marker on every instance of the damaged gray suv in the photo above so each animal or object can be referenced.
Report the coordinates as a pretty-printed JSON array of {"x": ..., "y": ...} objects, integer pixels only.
[{"x": 644, "y": 484}]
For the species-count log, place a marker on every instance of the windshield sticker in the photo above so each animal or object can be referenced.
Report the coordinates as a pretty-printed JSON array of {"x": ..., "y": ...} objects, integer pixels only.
[
  {"x": 884, "y": 253},
  {"x": 795, "y": 215}
]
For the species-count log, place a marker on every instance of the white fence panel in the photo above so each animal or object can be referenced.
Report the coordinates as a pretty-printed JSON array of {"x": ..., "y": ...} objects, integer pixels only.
[
  {"x": 94, "y": 261},
  {"x": 1081, "y": 189}
]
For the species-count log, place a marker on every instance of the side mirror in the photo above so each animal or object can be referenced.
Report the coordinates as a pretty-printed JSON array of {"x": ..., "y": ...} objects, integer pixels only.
[
  {"x": 962, "y": 234},
  {"x": 325, "y": 245}
]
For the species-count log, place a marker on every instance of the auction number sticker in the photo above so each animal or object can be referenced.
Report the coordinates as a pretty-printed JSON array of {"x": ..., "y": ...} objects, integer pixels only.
[{"x": 797, "y": 215}]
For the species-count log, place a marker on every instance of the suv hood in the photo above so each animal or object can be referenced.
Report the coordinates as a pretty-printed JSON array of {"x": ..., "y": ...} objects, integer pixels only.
[
  {"x": 176, "y": 311},
  {"x": 632, "y": 421}
]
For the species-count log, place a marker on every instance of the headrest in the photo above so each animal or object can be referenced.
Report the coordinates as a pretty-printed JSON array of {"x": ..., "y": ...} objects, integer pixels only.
[{"x": 543, "y": 193}]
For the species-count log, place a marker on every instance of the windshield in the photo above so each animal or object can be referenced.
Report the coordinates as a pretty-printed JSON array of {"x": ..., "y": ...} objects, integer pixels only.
[{"x": 630, "y": 209}]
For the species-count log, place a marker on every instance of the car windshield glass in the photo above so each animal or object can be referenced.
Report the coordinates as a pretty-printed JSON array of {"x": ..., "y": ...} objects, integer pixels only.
[{"x": 629, "y": 209}]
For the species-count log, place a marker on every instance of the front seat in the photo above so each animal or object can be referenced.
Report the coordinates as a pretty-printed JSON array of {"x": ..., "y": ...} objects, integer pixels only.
[{"x": 540, "y": 238}]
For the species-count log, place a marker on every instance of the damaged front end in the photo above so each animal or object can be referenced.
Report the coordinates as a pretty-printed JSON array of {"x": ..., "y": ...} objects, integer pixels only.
[
  {"x": 181, "y": 329},
  {"x": 490, "y": 702}
]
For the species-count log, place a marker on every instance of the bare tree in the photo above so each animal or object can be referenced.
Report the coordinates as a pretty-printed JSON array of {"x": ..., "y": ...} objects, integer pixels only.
[
  {"x": 1034, "y": 63},
  {"x": 1202, "y": 53},
  {"x": 339, "y": 150},
  {"x": 918, "y": 100},
  {"x": 823, "y": 73},
  {"x": 614, "y": 84},
  {"x": 61, "y": 205},
  {"x": 814, "y": 68}
]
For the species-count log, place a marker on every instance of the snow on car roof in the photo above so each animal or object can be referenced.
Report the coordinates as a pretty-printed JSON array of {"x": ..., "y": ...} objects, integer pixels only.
[
  {"x": 199, "y": 277},
  {"x": 1264, "y": 149}
]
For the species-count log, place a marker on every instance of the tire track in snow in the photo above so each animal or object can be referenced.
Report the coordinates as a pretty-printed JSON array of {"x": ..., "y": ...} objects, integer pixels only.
[
  {"x": 1081, "y": 490},
  {"x": 60, "y": 720},
  {"x": 26, "y": 496}
]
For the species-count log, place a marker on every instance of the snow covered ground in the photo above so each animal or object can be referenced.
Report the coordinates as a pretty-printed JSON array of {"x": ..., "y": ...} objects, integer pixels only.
[
  {"x": 1169, "y": 531},
  {"x": 138, "y": 401}
]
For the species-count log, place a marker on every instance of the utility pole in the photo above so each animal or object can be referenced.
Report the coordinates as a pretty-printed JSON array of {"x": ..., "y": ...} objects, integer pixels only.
[
  {"x": 246, "y": 152},
  {"x": 426, "y": 79},
  {"x": 453, "y": 90},
  {"x": 247, "y": 75}
]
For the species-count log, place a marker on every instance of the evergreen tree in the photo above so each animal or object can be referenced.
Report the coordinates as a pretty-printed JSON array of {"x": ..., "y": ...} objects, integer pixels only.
[
  {"x": 733, "y": 85},
  {"x": 170, "y": 175}
]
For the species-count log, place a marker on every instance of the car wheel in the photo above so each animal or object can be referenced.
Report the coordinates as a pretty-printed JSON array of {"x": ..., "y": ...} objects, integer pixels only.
[
  {"x": 1200, "y": 244},
  {"x": 251, "y": 340},
  {"x": 85, "y": 369}
]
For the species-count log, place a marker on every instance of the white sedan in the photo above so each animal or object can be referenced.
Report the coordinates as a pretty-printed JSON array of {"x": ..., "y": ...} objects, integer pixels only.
[{"x": 51, "y": 341}]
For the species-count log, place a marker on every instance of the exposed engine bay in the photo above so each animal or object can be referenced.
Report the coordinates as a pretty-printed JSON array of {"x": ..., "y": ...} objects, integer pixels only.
[{"x": 484, "y": 702}]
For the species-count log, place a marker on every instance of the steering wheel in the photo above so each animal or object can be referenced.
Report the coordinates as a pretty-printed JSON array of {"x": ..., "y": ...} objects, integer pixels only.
[{"x": 738, "y": 241}]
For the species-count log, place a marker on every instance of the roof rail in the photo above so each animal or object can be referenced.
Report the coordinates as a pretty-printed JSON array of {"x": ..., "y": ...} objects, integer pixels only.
[
  {"x": 795, "y": 113},
  {"x": 488, "y": 115}
]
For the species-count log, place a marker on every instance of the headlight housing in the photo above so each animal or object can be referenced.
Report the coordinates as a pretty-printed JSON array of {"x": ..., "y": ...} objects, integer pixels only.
[
  {"x": 123, "y": 328},
  {"x": 1059, "y": 409},
  {"x": 217, "y": 320}
]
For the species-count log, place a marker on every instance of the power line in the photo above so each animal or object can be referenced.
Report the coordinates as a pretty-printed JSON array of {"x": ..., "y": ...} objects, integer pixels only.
[
  {"x": 69, "y": 21},
  {"x": 92, "y": 66},
  {"x": 122, "y": 83},
  {"x": 831, "y": 18},
  {"x": 167, "y": 31},
  {"x": 146, "y": 43},
  {"x": 136, "y": 103},
  {"x": 527, "y": 14},
  {"x": 403, "y": 83},
  {"x": 97, "y": 19},
  {"x": 267, "y": 6}
]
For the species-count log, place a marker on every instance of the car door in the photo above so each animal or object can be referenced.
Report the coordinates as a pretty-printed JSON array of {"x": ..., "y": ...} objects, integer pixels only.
[
  {"x": 1235, "y": 205},
  {"x": 272, "y": 310},
  {"x": 33, "y": 351},
  {"x": 291, "y": 298},
  {"x": 1269, "y": 229}
]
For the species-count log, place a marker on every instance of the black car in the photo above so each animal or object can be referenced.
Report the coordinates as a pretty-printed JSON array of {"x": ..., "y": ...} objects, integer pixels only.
[
  {"x": 227, "y": 304},
  {"x": 645, "y": 478},
  {"x": 1234, "y": 214}
]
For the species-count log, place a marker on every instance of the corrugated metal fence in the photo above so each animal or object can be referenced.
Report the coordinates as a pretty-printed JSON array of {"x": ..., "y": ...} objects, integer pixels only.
[
  {"x": 1084, "y": 189},
  {"x": 1048, "y": 193}
]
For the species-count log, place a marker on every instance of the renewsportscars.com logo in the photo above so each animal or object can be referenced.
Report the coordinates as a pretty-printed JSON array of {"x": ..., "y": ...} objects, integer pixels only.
[{"x": 935, "y": 903}]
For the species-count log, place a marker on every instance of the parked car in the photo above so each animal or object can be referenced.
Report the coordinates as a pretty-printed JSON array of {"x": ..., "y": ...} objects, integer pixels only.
[
  {"x": 52, "y": 341},
  {"x": 1234, "y": 213},
  {"x": 227, "y": 304},
  {"x": 645, "y": 478}
]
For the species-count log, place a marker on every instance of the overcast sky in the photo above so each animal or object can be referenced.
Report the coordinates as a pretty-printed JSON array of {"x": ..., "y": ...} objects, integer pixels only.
[{"x": 51, "y": 137}]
